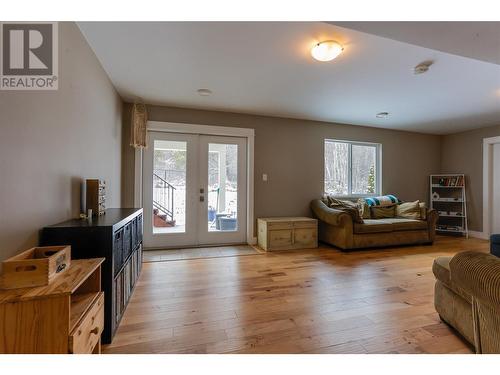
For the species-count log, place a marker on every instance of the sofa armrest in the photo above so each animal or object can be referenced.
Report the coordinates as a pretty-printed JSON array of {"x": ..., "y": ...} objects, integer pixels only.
[
  {"x": 478, "y": 274},
  {"x": 432, "y": 217},
  {"x": 329, "y": 215}
]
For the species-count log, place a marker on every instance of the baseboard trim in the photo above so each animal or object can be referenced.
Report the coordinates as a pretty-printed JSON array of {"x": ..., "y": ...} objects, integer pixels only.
[{"x": 477, "y": 234}]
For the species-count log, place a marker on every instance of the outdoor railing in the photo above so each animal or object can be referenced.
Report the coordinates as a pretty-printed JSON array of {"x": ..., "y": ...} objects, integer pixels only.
[{"x": 163, "y": 197}]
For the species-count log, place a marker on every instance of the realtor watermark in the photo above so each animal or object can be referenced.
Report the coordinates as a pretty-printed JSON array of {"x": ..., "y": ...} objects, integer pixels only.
[{"x": 29, "y": 56}]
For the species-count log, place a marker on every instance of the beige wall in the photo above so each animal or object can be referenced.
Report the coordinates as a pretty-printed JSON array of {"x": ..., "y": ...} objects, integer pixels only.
[
  {"x": 291, "y": 153},
  {"x": 50, "y": 140},
  {"x": 463, "y": 153}
]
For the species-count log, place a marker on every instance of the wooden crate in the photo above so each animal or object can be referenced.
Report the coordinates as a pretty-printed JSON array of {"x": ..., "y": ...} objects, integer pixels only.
[{"x": 35, "y": 267}]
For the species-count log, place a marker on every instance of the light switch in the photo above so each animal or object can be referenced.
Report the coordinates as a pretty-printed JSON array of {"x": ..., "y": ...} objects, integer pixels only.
[{"x": 264, "y": 177}]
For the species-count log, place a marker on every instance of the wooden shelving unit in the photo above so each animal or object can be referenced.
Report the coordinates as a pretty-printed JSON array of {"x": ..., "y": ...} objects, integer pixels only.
[
  {"x": 448, "y": 198},
  {"x": 80, "y": 304},
  {"x": 116, "y": 236},
  {"x": 65, "y": 316}
]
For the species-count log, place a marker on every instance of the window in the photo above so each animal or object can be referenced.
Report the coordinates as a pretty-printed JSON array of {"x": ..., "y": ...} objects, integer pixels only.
[{"x": 352, "y": 168}]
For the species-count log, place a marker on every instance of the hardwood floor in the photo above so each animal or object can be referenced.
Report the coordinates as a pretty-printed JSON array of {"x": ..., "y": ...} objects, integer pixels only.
[{"x": 302, "y": 301}]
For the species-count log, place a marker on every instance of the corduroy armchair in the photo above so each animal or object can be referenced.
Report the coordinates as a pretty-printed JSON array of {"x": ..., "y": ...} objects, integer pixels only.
[
  {"x": 478, "y": 274},
  {"x": 467, "y": 296}
]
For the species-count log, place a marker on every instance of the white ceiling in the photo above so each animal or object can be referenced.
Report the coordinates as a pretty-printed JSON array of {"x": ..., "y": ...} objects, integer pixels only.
[
  {"x": 266, "y": 68},
  {"x": 477, "y": 40}
]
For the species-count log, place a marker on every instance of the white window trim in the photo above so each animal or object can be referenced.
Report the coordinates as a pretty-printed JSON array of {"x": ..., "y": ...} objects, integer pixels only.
[
  {"x": 172, "y": 127},
  {"x": 378, "y": 168}
]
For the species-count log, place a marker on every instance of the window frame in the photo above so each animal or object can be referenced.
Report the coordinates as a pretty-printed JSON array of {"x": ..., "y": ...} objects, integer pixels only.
[{"x": 378, "y": 167}]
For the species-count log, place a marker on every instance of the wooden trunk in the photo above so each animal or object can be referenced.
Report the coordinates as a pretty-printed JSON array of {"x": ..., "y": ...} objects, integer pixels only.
[{"x": 287, "y": 233}]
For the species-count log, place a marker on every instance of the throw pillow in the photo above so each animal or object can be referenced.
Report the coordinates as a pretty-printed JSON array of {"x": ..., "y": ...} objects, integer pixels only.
[
  {"x": 383, "y": 200},
  {"x": 346, "y": 206},
  {"x": 364, "y": 209},
  {"x": 409, "y": 210},
  {"x": 383, "y": 212},
  {"x": 340, "y": 202},
  {"x": 324, "y": 199},
  {"x": 423, "y": 211}
]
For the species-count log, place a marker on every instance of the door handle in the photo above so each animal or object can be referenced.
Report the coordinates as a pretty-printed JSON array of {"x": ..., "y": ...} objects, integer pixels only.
[{"x": 202, "y": 198}]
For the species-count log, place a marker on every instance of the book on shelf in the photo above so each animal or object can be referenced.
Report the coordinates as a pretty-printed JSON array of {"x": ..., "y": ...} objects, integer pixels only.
[
  {"x": 447, "y": 199},
  {"x": 449, "y": 213},
  {"x": 457, "y": 181},
  {"x": 455, "y": 228}
]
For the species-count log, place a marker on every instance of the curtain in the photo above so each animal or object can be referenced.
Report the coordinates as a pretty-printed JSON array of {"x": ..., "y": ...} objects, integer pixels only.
[{"x": 139, "y": 123}]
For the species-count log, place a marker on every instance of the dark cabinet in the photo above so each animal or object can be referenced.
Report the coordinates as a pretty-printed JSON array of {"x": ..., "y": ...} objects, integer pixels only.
[{"x": 115, "y": 236}]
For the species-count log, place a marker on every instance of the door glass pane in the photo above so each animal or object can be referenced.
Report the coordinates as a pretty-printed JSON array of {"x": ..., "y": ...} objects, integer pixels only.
[
  {"x": 169, "y": 186},
  {"x": 363, "y": 169},
  {"x": 336, "y": 168},
  {"x": 222, "y": 187}
]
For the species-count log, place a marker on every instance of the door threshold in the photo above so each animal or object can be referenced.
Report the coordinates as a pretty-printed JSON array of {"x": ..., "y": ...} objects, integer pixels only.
[{"x": 196, "y": 246}]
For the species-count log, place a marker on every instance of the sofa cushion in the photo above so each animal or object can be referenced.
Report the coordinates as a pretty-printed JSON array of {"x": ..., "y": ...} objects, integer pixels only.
[
  {"x": 373, "y": 226},
  {"x": 441, "y": 269},
  {"x": 409, "y": 210},
  {"x": 389, "y": 225},
  {"x": 364, "y": 209},
  {"x": 383, "y": 212},
  {"x": 406, "y": 224}
]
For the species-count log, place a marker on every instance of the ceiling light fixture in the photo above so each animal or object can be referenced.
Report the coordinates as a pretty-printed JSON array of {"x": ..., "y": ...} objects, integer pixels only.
[
  {"x": 382, "y": 115},
  {"x": 327, "y": 50},
  {"x": 204, "y": 92},
  {"x": 422, "y": 67}
]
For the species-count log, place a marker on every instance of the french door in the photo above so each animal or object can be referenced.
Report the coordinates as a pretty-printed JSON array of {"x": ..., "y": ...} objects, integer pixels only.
[{"x": 194, "y": 190}]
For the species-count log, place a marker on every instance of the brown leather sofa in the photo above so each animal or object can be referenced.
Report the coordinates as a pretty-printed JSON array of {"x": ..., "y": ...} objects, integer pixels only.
[
  {"x": 336, "y": 228},
  {"x": 467, "y": 297}
]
